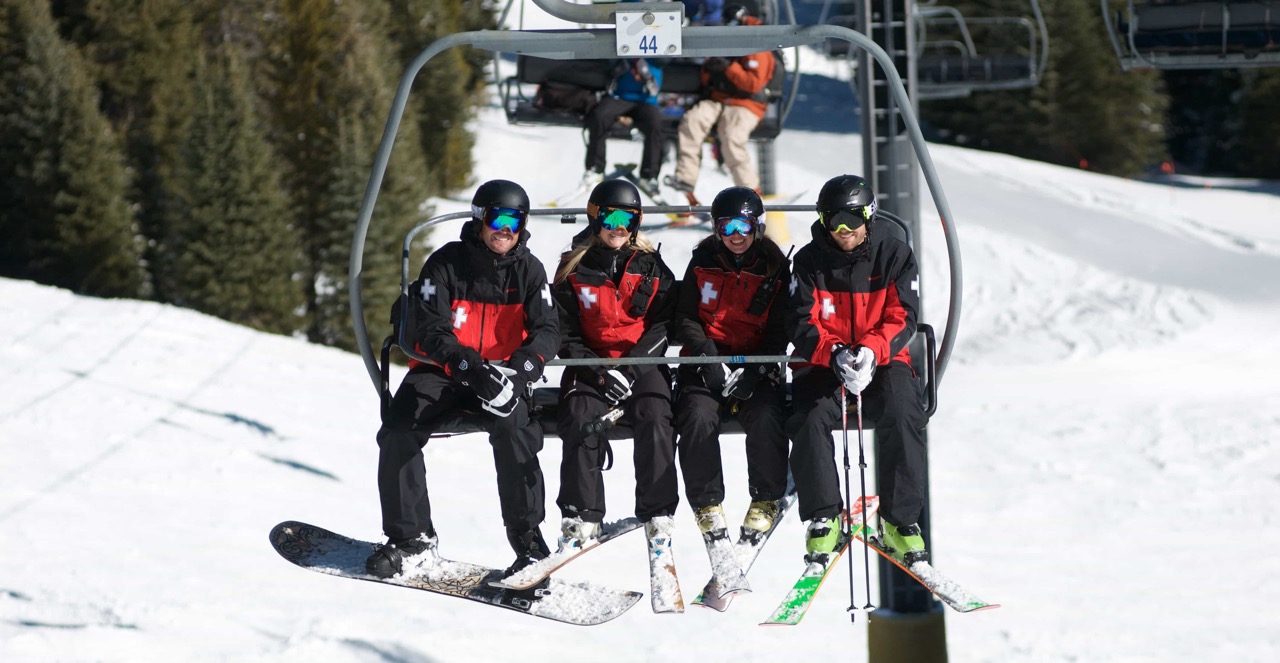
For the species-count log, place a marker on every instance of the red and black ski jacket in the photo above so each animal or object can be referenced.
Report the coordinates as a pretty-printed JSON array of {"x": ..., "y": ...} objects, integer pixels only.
[
  {"x": 616, "y": 303},
  {"x": 868, "y": 297},
  {"x": 473, "y": 305},
  {"x": 729, "y": 304}
]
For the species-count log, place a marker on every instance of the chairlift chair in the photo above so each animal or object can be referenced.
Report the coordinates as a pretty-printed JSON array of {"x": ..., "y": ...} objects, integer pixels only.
[{"x": 1180, "y": 34}]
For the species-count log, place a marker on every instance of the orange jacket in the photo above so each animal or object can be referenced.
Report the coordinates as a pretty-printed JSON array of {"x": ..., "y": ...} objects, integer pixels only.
[{"x": 743, "y": 82}]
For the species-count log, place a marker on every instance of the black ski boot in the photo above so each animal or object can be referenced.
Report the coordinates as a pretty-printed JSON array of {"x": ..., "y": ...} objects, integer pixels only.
[
  {"x": 388, "y": 559},
  {"x": 529, "y": 546}
]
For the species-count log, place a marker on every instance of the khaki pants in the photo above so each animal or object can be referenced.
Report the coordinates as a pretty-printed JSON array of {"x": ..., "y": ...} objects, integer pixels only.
[{"x": 734, "y": 125}]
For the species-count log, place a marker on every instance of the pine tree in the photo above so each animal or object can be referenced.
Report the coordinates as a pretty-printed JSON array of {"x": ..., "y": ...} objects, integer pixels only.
[
  {"x": 1260, "y": 135},
  {"x": 63, "y": 218},
  {"x": 142, "y": 55},
  {"x": 236, "y": 251},
  {"x": 331, "y": 81},
  {"x": 449, "y": 86}
]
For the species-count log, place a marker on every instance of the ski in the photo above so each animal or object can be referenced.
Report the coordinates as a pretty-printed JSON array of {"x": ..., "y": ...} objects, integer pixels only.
[
  {"x": 746, "y": 551},
  {"x": 793, "y": 607},
  {"x": 654, "y": 193},
  {"x": 948, "y": 591},
  {"x": 664, "y": 585},
  {"x": 538, "y": 571},
  {"x": 320, "y": 550}
]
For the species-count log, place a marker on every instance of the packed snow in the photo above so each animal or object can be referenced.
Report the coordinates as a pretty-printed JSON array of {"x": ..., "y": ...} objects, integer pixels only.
[{"x": 1103, "y": 460}]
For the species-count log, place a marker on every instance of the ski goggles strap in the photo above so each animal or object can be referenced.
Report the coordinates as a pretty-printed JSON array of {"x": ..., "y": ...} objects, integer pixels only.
[
  {"x": 613, "y": 218},
  {"x": 505, "y": 218},
  {"x": 742, "y": 224},
  {"x": 849, "y": 219}
]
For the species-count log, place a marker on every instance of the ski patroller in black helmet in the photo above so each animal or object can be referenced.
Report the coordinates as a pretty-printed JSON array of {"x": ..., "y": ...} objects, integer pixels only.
[
  {"x": 846, "y": 200},
  {"x": 738, "y": 202},
  {"x": 501, "y": 204},
  {"x": 614, "y": 204}
]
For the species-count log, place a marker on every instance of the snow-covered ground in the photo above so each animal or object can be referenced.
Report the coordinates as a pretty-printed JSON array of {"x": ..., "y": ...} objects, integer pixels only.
[{"x": 1104, "y": 459}]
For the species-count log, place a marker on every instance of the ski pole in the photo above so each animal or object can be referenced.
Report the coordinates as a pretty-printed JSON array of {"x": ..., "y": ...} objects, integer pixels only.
[
  {"x": 846, "y": 527},
  {"x": 862, "y": 470}
]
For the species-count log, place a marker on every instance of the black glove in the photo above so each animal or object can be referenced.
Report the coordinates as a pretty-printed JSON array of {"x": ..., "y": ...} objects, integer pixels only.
[
  {"x": 714, "y": 376},
  {"x": 742, "y": 381},
  {"x": 615, "y": 384},
  {"x": 527, "y": 364},
  {"x": 489, "y": 383},
  {"x": 715, "y": 65}
]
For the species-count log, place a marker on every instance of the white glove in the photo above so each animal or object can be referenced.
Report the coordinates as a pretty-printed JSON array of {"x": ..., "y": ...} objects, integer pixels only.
[
  {"x": 504, "y": 403},
  {"x": 615, "y": 386},
  {"x": 854, "y": 368}
]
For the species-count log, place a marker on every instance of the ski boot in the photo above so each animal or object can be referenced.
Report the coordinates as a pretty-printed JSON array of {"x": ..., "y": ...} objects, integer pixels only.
[
  {"x": 821, "y": 539},
  {"x": 576, "y": 533},
  {"x": 389, "y": 558},
  {"x": 712, "y": 523},
  {"x": 904, "y": 543},
  {"x": 529, "y": 547},
  {"x": 759, "y": 521}
]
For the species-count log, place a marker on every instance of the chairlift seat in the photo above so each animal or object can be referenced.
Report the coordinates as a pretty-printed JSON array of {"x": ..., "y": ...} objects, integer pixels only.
[{"x": 681, "y": 84}]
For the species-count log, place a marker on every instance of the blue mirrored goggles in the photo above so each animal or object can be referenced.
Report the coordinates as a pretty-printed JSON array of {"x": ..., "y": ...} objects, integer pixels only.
[
  {"x": 849, "y": 219},
  {"x": 743, "y": 225},
  {"x": 614, "y": 218},
  {"x": 505, "y": 218}
]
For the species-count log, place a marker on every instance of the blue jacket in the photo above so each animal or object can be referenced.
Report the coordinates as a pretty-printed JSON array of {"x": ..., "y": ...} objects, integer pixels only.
[{"x": 636, "y": 76}]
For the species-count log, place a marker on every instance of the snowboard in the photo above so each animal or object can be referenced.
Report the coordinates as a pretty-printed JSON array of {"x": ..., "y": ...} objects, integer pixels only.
[
  {"x": 538, "y": 571},
  {"x": 320, "y": 550},
  {"x": 796, "y": 603},
  {"x": 747, "y": 551}
]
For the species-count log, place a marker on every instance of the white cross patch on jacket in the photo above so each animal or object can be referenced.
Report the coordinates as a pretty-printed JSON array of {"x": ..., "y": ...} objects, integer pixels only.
[
  {"x": 459, "y": 317},
  {"x": 828, "y": 309},
  {"x": 709, "y": 293},
  {"x": 428, "y": 290},
  {"x": 586, "y": 297}
]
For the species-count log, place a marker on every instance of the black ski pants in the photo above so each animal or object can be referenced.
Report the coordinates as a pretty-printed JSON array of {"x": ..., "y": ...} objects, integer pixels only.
[
  {"x": 891, "y": 399},
  {"x": 424, "y": 397},
  {"x": 648, "y": 119},
  {"x": 698, "y": 413},
  {"x": 582, "y": 468}
]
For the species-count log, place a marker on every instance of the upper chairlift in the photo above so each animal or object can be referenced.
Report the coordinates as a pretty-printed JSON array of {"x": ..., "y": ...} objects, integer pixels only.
[
  {"x": 600, "y": 44},
  {"x": 681, "y": 85},
  {"x": 1180, "y": 34},
  {"x": 949, "y": 63}
]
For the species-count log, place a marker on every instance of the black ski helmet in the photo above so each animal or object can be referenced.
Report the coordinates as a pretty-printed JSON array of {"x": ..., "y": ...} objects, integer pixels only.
[
  {"x": 739, "y": 200},
  {"x": 615, "y": 193},
  {"x": 499, "y": 193},
  {"x": 847, "y": 192}
]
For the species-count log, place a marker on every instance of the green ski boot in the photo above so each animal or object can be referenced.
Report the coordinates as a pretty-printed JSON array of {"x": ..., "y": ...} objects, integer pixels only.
[
  {"x": 905, "y": 543},
  {"x": 821, "y": 540}
]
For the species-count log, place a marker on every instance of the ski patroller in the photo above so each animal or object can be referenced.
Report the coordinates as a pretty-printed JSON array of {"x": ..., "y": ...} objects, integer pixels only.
[
  {"x": 796, "y": 603},
  {"x": 712, "y": 596},
  {"x": 535, "y": 573},
  {"x": 320, "y": 550}
]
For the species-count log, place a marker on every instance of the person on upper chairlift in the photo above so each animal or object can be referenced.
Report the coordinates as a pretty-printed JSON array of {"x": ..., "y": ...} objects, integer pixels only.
[
  {"x": 736, "y": 102},
  {"x": 854, "y": 301},
  {"x": 732, "y": 301},
  {"x": 634, "y": 94},
  {"x": 615, "y": 299},
  {"x": 481, "y": 311}
]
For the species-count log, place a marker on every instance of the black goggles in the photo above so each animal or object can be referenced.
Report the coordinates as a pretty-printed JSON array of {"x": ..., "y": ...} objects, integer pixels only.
[
  {"x": 740, "y": 224},
  {"x": 850, "y": 218},
  {"x": 505, "y": 218},
  {"x": 614, "y": 218}
]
